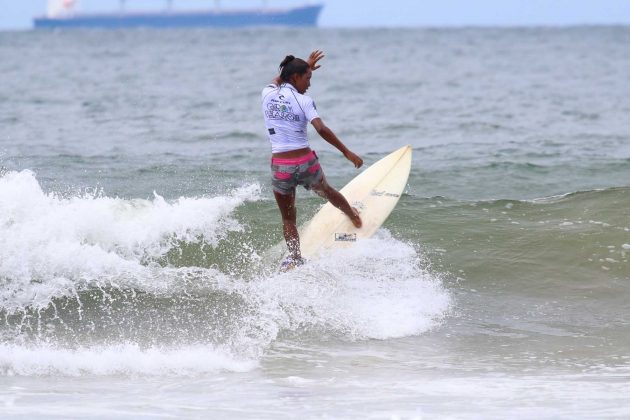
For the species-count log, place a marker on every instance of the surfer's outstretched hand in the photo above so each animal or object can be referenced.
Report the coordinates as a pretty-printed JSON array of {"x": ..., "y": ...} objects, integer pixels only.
[
  {"x": 315, "y": 56},
  {"x": 358, "y": 162}
]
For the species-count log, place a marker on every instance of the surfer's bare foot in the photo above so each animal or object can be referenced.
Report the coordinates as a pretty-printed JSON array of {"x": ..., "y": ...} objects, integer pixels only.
[{"x": 355, "y": 218}]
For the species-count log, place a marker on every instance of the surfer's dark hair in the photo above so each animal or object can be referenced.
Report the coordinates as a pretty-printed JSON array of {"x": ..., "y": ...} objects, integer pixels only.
[{"x": 292, "y": 65}]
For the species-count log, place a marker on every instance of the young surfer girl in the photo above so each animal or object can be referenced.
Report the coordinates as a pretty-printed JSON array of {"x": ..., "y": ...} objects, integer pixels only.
[{"x": 287, "y": 110}]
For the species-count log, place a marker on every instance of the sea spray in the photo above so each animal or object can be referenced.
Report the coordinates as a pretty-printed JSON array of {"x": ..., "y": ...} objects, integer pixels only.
[
  {"x": 377, "y": 289},
  {"x": 88, "y": 289},
  {"x": 52, "y": 246},
  {"x": 118, "y": 359}
]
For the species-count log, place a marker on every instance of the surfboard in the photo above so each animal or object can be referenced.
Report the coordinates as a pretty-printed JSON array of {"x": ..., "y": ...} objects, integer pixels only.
[{"x": 374, "y": 192}]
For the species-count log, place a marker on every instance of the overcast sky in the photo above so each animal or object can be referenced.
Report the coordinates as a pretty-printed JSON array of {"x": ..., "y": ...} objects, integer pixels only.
[{"x": 18, "y": 14}]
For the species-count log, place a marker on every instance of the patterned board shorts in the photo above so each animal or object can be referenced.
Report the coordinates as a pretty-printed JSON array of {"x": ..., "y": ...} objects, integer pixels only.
[{"x": 289, "y": 173}]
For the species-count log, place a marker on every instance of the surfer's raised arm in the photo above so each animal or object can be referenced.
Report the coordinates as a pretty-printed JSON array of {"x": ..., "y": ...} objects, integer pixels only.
[{"x": 313, "y": 58}]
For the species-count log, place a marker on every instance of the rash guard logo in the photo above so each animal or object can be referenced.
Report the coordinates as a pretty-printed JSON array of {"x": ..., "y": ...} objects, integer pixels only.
[{"x": 281, "y": 112}]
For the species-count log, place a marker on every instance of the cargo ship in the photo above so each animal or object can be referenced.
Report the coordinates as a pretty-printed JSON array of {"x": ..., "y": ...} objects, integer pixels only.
[{"x": 64, "y": 14}]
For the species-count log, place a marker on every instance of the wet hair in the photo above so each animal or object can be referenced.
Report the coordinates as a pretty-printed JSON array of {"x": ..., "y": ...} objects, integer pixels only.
[{"x": 292, "y": 65}]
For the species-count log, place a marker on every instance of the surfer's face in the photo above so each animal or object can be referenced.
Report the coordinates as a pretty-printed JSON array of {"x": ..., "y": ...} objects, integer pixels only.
[{"x": 302, "y": 82}]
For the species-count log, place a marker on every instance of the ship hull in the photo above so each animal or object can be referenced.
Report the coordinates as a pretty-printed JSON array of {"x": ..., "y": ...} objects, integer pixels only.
[{"x": 299, "y": 16}]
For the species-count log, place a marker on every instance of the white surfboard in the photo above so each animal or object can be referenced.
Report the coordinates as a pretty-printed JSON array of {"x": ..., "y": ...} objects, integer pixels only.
[{"x": 375, "y": 192}]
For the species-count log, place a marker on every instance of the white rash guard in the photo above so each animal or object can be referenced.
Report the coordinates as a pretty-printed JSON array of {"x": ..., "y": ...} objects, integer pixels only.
[{"x": 287, "y": 113}]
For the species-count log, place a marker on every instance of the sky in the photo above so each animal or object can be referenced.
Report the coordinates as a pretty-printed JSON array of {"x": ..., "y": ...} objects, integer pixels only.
[{"x": 18, "y": 14}]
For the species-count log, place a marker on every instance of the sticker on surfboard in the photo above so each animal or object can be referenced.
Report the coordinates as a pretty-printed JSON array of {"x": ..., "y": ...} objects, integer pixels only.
[
  {"x": 376, "y": 193},
  {"x": 345, "y": 237}
]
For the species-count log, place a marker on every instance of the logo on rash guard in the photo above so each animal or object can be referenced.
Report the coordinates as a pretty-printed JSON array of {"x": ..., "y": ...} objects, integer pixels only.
[{"x": 281, "y": 112}]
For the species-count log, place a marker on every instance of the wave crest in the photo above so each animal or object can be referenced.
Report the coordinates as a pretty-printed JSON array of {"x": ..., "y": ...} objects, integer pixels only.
[{"x": 50, "y": 246}]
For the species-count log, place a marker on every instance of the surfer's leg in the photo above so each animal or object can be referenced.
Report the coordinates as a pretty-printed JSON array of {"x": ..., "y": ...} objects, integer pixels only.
[
  {"x": 323, "y": 189},
  {"x": 286, "y": 203}
]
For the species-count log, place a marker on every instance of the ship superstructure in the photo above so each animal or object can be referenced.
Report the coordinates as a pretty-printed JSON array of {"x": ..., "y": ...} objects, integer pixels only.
[{"x": 66, "y": 14}]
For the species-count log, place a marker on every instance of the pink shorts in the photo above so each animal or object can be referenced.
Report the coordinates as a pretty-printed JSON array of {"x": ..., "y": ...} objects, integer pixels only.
[{"x": 289, "y": 173}]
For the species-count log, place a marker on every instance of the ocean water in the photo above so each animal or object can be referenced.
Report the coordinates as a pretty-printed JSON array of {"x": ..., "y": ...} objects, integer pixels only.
[{"x": 136, "y": 219}]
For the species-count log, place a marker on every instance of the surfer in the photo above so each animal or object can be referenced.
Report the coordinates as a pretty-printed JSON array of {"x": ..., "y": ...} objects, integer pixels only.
[{"x": 287, "y": 110}]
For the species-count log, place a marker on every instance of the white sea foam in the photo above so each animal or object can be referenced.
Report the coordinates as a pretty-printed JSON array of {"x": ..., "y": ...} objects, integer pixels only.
[
  {"x": 128, "y": 359},
  {"x": 51, "y": 246},
  {"x": 376, "y": 289}
]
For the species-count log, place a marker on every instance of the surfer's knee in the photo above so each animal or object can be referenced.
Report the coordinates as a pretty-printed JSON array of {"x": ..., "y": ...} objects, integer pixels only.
[
  {"x": 320, "y": 192},
  {"x": 320, "y": 185},
  {"x": 323, "y": 189}
]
